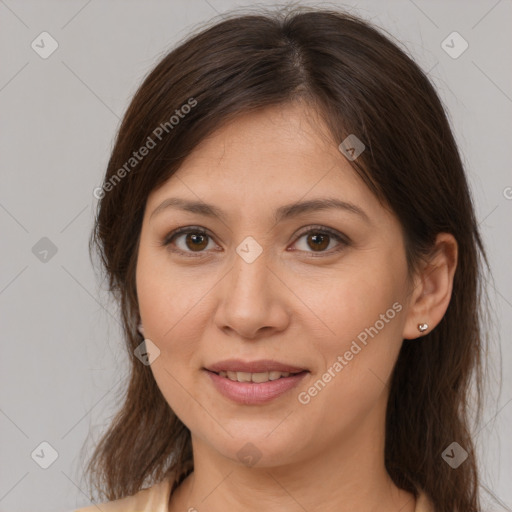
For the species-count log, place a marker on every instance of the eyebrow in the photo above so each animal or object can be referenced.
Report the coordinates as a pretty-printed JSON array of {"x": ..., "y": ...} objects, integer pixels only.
[{"x": 281, "y": 213}]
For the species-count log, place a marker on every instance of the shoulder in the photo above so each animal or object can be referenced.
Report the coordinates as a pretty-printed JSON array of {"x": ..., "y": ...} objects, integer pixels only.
[{"x": 152, "y": 499}]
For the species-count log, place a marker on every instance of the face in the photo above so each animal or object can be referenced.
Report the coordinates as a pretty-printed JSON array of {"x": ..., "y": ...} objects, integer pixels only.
[{"x": 322, "y": 290}]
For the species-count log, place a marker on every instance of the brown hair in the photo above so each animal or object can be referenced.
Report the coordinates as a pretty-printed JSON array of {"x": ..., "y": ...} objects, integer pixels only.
[{"x": 360, "y": 82}]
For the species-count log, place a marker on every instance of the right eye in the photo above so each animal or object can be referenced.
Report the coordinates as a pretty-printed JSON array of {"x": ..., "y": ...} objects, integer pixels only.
[{"x": 196, "y": 240}]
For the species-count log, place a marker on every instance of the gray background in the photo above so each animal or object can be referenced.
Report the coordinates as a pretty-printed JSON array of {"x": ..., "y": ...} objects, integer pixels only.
[{"x": 62, "y": 362}]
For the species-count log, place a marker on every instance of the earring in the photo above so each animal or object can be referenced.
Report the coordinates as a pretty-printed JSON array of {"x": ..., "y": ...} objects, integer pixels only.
[
  {"x": 141, "y": 329},
  {"x": 422, "y": 327}
]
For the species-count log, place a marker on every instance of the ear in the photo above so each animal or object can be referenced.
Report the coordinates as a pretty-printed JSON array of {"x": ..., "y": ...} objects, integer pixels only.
[{"x": 433, "y": 286}]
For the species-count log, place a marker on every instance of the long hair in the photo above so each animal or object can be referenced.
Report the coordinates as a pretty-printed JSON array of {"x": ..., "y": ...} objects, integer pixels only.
[{"x": 360, "y": 82}]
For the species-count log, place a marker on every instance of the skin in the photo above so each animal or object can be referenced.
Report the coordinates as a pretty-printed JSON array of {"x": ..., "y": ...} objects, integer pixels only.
[{"x": 328, "y": 454}]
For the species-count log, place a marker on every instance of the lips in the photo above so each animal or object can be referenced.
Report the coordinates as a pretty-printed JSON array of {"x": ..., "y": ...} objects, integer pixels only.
[
  {"x": 254, "y": 393},
  {"x": 254, "y": 382}
]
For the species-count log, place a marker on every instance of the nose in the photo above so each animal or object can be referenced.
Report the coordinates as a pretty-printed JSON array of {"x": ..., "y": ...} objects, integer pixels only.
[{"x": 253, "y": 301}]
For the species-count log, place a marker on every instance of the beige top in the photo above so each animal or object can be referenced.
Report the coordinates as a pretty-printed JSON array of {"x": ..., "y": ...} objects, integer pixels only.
[{"x": 156, "y": 499}]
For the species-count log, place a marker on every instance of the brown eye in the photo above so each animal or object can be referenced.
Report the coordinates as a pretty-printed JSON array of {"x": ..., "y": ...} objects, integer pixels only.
[
  {"x": 196, "y": 241},
  {"x": 318, "y": 242},
  {"x": 188, "y": 241}
]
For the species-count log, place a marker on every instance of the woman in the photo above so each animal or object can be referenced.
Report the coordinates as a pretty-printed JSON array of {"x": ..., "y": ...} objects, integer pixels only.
[{"x": 286, "y": 222}]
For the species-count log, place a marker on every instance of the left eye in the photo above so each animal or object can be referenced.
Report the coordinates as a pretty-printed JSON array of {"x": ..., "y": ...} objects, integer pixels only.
[
  {"x": 320, "y": 239},
  {"x": 197, "y": 240}
]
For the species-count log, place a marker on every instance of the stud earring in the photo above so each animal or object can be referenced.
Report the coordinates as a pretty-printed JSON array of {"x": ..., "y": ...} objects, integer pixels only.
[{"x": 422, "y": 327}]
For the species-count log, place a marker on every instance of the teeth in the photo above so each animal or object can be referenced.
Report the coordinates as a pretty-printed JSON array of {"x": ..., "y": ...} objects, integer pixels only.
[
  {"x": 243, "y": 377},
  {"x": 254, "y": 377}
]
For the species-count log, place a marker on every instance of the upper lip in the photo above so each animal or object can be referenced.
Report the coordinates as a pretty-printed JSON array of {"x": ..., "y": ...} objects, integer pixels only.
[{"x": 259, "y": 366}]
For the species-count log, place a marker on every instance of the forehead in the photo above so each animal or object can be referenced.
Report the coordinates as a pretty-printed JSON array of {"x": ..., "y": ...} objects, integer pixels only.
[
  {"x": 267, "y": 158},
  {"x": 293, "y": 134}
]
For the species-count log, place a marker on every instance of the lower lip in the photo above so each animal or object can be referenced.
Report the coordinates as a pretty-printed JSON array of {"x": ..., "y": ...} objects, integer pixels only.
[{"x": 252, "y": 393}]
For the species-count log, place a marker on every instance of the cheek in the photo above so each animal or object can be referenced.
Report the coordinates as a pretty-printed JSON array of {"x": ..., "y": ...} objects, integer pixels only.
[
  {"x": 363, "y": 300},
  {"x": 173, "y": 321},
  {"x": 170, "y": 312},
  {"x": 355, "y": 370},
  {"x": 363, "y": 315},
  {"x": 171, "y": 300}
]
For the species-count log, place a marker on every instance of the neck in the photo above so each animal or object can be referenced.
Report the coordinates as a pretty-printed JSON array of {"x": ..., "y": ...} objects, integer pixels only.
[{"x": 349, "y": 478}]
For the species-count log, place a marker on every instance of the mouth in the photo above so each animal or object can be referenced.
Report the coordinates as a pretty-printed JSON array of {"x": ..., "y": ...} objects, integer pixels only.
[
  {"x": 258, "y": 377},
  {"x": 253, "y": 367},
  {"x": 256, "y": 382}
]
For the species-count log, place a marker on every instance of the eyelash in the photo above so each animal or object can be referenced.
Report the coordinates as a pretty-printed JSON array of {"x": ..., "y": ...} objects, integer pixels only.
[{"x": 344, "y": 241}]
